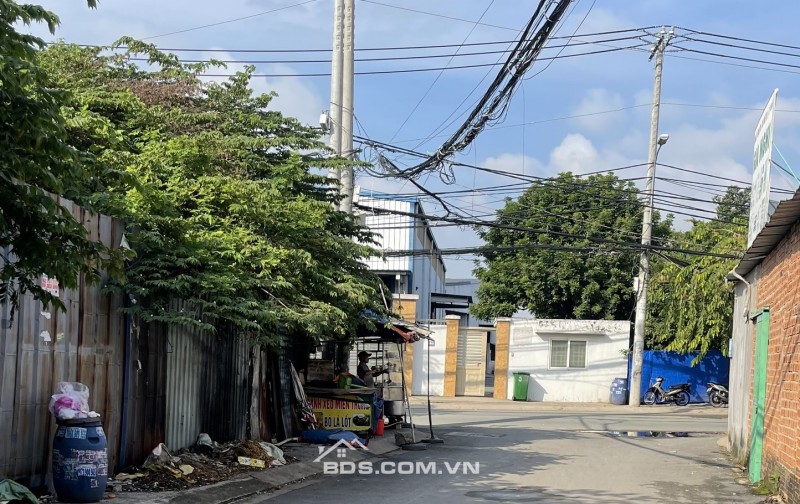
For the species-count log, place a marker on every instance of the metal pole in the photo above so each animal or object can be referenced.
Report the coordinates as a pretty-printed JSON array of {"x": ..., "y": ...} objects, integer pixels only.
[
  {"x": 432, "y": 439},
  {"x": 647, "y": 227},
  {"x": 348, "y": 76},
  {"x": 336, "y": 84}
]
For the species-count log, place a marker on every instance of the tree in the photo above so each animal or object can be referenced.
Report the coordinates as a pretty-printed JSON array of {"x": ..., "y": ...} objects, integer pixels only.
[
  {"x": 38, "y": 235},
  {"x": 566, "y": 248},
  {"x": 691, "y": 305},
  {"x": 734, "y": 205},
  {"x": 230, "y": 212}
]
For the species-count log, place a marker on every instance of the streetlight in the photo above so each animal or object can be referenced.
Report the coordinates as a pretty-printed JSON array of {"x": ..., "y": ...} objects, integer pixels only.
[{"x": 662, "y": 139}]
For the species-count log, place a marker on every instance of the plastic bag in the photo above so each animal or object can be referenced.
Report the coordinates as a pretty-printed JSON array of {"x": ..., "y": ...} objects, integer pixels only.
[{"x": 71, "y": 401}]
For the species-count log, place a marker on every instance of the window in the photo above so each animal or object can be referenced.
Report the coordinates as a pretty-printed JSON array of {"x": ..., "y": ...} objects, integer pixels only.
[{"x": 568, "y": 354}]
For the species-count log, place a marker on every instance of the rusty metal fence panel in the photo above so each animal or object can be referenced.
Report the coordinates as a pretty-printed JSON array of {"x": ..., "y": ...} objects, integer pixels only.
[
  {"x": 208, "y": 386},
  {"x": 40, "y": 348}
]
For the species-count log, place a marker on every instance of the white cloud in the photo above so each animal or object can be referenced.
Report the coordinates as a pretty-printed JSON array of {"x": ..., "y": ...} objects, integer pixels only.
[
  {"x": 575, "y": 153},
  {"x": 599, "y": 100},
  {"x": 514, "y": 163}
]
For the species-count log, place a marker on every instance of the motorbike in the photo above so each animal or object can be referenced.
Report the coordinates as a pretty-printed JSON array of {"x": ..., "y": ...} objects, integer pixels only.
[
  {"x": 678, "y": 394},
  {"x": 717, "y": 394}
]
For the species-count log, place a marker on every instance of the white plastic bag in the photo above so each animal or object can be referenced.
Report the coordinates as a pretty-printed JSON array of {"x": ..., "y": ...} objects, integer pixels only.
[{"x": 71, "y": 401}]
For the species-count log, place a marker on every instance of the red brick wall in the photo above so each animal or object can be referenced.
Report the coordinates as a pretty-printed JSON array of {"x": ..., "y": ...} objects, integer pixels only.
[{"x": 779, "y": 288}]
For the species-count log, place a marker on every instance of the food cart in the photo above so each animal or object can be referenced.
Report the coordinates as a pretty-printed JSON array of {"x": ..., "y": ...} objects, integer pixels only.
[{"x": 349, "y": 407}]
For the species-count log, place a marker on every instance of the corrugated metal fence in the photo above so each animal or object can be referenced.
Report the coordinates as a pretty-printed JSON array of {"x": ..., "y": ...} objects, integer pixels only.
[
  {"x": 41, "y": 348},
  {"x": 208, "y": 386},
  {"x": 150, "y": 383}
]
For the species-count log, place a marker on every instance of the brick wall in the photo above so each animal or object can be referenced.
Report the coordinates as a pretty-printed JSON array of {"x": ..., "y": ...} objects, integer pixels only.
[{"x": 779, "y": 288}]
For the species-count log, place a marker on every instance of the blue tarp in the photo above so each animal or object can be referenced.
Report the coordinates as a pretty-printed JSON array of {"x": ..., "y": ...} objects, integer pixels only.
[{"x": 677, "y": 368}]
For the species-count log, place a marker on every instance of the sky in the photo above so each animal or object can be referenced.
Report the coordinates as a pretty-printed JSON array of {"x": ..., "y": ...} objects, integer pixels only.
[{"x": 582, "y": 114}]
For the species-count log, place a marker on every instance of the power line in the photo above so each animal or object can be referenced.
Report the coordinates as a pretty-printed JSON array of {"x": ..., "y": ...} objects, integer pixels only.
[
  {"x": 599, "y": 240},
  {"x": 738, "y": 58},
  {"x": 362, "y": 49},
  {"x": 231, "y": 20},
  {"x": 495, "y": 101},
  {"x": 755, "y": 49},
  {"x": 416, "y": 70},
  {"x": 507, "y": 28},
  {"x": 738, "y": 65},
  {"x": 441, "y": 72},
  {"x": 384, "y": 58},
  {"x": 442, "y": 16},
  {"x": 740, "y": 39}
]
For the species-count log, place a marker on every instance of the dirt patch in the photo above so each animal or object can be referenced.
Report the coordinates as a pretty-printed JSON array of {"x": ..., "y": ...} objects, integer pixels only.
[{"x": 187, "y": 469}]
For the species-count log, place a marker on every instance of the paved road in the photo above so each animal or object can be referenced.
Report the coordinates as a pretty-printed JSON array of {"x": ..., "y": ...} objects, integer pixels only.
[{"x": 544, "y": 457}]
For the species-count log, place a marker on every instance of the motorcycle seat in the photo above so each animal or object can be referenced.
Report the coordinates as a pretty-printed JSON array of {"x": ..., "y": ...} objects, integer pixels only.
[{"x": 679, "y": 386}]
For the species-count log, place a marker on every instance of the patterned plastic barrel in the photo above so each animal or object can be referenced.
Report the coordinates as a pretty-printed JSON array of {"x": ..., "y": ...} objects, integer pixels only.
[
  {"x": 80, "y": 460},
  {"x": 619, "y": 391}
]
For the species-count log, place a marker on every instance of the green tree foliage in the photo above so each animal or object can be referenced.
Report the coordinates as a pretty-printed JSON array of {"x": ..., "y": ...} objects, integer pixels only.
[
  {"x": 734, "y": 205},
  {"x": 38, "y": 235},
  {"x": 574, "y": 267},
  {"x": 690, "y": 307},
  {"x": 230, "y": 210}
]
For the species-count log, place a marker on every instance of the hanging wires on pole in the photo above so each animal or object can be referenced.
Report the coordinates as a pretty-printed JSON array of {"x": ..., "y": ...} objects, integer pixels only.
[{"x": 495, "y": 101}]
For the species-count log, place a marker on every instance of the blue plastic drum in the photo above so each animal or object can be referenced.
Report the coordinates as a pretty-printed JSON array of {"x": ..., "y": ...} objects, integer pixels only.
[
  {"x": 80, "y": 460},
  {"x": 619, "y": 391}
]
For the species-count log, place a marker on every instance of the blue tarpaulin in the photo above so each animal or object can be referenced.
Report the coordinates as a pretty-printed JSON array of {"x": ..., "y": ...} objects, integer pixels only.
[{"x": 677, "y": 368}]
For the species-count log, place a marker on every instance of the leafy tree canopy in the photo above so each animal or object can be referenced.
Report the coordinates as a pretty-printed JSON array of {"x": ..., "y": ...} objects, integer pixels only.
[
  {"x": 563, "y": 249},
  {"x": 38, "y": 164},
  {"x": 228, "y": 209},
  {"x": 690, "y": 307}
]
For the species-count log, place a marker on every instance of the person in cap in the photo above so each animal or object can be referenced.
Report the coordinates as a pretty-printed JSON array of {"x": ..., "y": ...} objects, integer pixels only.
[{"x": 365, "y": 372}]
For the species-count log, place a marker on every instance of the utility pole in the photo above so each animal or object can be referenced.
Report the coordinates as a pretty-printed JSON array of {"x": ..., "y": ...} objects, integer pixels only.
[
  {"x": 348, "y": 76},
  {"x": 337, "y": 66},
  {"x": 647, "y": 224}
]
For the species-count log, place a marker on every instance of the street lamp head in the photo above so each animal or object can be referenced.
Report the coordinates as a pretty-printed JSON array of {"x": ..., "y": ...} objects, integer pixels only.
[{"x": 663, "y": 138}]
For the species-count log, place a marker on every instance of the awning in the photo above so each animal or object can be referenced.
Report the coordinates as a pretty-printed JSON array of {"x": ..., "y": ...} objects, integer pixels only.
[{"x": 392, "y": 329}]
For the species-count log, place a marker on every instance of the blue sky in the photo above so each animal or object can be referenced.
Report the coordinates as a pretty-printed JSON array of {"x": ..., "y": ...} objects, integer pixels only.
[{"x": 716, "y": 141}]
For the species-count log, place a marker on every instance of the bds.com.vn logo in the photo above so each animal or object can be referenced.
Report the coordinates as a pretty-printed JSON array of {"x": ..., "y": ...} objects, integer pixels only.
[{"x": 366, "y": 467}]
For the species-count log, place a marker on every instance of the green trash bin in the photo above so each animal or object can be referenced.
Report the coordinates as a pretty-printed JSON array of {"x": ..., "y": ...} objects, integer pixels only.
[{"x": 521, "y": 386}]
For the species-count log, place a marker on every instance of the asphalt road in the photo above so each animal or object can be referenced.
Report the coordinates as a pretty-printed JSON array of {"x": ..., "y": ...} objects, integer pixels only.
[{"x": 543, "y": 457}]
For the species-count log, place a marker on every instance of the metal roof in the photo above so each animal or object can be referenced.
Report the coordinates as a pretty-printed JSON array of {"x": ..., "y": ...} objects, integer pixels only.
[{"x": 780, "y": 223}]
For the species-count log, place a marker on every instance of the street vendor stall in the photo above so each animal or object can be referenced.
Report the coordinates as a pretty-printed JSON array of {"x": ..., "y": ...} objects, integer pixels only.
[{"x": 341, "y": 401}]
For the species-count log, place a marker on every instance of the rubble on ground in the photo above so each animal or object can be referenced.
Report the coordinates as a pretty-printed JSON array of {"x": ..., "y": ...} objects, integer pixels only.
[{"x": 206, "y": 463}]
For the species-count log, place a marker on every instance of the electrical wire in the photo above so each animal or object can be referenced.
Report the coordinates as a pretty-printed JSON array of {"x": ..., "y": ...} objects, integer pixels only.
[
  {"x": 593, "y": 239},
  {"x": 496, "y": 99},
  {"x": 258, "y": 14},
  {"x": 441, "y": 72},
  {"x": 410, "y": 70}
]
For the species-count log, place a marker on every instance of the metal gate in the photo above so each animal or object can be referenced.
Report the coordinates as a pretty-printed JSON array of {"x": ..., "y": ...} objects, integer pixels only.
[
  {"x": 471, "y": 362},
  {"x": 759, "y": 395}
]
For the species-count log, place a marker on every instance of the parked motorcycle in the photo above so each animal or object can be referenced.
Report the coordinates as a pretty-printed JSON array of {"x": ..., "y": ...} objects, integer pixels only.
[
  {"x": 679, "y": 394},
  {"x": 717, "y": 394}
]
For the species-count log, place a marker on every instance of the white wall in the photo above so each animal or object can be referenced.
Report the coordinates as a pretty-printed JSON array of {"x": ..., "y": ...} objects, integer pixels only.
[
  {"x": 529, "y": 351},
  {"x": 419, "y": 385}
]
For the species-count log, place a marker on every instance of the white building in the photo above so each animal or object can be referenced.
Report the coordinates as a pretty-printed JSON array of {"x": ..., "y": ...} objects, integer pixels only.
[
  {"x": 401, "y": 227},
  {"x": 568, "y": 360}
]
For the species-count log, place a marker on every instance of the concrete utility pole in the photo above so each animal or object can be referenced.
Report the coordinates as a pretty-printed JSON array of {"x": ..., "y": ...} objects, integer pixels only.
[
  {"x": 337, "y": 65},
  {"x": 348, "y": 76},
  {"x": 342, "y": 76},
  {"x": 647, "y": 224}
]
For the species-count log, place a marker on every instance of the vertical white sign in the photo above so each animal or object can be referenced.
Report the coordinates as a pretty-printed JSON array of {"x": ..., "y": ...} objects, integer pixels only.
[{"x": 762, "y": 161}]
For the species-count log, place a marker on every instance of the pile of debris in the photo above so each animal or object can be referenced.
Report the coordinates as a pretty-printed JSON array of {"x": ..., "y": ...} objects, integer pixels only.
[{"x": 206, "y": 463}]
